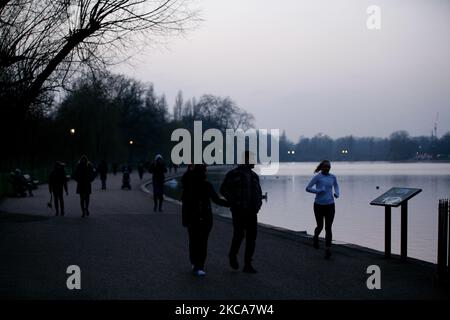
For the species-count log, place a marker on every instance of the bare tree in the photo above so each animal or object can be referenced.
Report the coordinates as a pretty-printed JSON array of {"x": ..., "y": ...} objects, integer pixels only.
[
  {"x": 222, "y": 113},
  {"x": 178, "y": 107},
  {"x": 43, "y": 42}
]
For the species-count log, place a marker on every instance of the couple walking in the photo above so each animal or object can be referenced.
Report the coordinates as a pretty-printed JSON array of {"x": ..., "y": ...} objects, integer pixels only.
[
  {"x": 84, "y": 174},
  {"x": 243, "y": 195}
]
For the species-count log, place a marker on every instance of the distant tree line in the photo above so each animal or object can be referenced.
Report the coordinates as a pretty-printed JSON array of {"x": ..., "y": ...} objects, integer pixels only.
[
  {"x": 122, "y": 120},
  {"x": 118, "y": 119},
  {"x": 399, "y": 146}
]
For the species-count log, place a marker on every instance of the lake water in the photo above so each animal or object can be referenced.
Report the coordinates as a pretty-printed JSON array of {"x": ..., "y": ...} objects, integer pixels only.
[{"x": 290, "y": 206}]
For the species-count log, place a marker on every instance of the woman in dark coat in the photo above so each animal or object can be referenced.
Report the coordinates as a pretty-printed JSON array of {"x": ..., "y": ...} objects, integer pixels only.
[
  {"x": 84, "y": 175},
  {"x": 197, "y": 214},
  {"x": 158, "y": 170}
]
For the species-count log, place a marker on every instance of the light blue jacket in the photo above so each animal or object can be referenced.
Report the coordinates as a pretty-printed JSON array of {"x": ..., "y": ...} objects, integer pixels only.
[{"x": 323, "y": 189}]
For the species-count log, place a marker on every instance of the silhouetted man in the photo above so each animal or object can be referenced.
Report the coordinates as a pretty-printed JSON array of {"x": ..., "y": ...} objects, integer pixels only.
[
  {"x": 114, "y": 168},
  {"x": 242, "y": 190},
  {"x": 102, "y": 170},
  {"x": 57, "y": 183},
  {"x": 141, "y": 170}
]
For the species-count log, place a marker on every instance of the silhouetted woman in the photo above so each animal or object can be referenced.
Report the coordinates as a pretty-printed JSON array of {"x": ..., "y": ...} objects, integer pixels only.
[
  {"x": 322, "y": 185},
  {"x": 197, "y": 214},
  {"x": 158, "y": 170},
  {"x": 84, "y": 175}
]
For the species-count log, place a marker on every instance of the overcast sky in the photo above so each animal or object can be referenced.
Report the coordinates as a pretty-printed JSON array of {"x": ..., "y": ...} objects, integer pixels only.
[{"x": 313, "y": 66}]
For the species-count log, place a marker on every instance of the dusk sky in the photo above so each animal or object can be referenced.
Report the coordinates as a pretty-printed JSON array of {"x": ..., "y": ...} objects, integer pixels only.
[{"x": 313, "y": 66}]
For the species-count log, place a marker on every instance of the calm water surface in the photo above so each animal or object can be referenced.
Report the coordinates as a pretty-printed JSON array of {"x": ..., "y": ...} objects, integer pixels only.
[{"x": 290, "y": 206}]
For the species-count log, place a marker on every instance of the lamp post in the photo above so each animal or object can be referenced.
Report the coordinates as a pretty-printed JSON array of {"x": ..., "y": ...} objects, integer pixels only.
[
  {"x": 72, "y": 134},
  {"x": 130, "y": 144}
]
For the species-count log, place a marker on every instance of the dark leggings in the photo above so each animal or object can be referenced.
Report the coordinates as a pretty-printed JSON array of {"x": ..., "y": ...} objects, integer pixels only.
[
  {"x": 198, "y": 244},
  {"x": 324, "y": 212},
  {"x": 158, "y": 201},
  {"x": 58, "y": 201},
  {"x": 158, "y": 195},
  {"x": 84, "y": 201}
]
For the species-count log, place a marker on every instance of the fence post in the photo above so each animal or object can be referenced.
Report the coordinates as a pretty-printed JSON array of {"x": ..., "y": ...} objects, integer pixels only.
[
  {"x": 387, "y": 232},
  {"x": 446, "y": 237},
  {"x": 443, "y": 241}
]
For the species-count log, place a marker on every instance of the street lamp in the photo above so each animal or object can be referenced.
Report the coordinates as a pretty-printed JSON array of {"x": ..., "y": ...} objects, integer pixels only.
[
  {"x": 130, "y": 143},
  {"x": 72, "y": 134}
]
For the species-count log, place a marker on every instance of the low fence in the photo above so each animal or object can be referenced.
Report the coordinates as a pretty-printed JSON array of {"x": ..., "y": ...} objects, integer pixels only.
[{"x": 443, "y": 240}]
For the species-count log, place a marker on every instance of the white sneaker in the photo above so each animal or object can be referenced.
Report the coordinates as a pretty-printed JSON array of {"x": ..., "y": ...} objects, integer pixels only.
[{"x": 200, "y": 273}]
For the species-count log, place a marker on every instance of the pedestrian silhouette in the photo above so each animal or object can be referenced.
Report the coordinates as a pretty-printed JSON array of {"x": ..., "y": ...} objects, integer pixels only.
[
  {"x": 126, "y": 179},
  {"x": 322, "y": 185},
  {"x": 197, "y": 214},
  {"x": 141, "y": 170},
  {"x": 84, "y": 175},
  {"x": 158, "y": 171},
  {"x": 242, "y": 189},
  {"x": 114, "y": 168},
  {"x": 102, "y": 170},
  {"x": 57, "y": 183}
]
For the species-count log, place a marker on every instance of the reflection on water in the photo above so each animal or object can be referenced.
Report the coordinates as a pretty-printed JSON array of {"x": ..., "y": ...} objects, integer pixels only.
[{"x": 290, "y": 206}]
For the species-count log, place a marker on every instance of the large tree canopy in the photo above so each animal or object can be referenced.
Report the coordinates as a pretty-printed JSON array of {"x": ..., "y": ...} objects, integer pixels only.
[{"x": 43, "y": 42}]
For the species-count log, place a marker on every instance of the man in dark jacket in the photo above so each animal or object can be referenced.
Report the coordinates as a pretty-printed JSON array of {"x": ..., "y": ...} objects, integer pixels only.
[
  {"x": 197, "y": 214},
  {"x": 242, "y": 189},
  {"x": 57, "y": 183}
]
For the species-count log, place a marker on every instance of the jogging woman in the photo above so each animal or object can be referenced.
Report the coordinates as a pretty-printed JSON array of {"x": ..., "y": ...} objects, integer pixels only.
[{"x": 322, "y": 185}]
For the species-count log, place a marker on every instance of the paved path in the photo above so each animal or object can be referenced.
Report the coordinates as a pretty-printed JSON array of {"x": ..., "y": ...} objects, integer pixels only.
[{"x": 125, "y": 251}]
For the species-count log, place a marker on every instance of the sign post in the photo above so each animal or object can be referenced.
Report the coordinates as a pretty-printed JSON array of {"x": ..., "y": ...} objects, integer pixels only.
[
  {"x": 387, "y": 231},
  {"x": 395, "y": 197}
]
